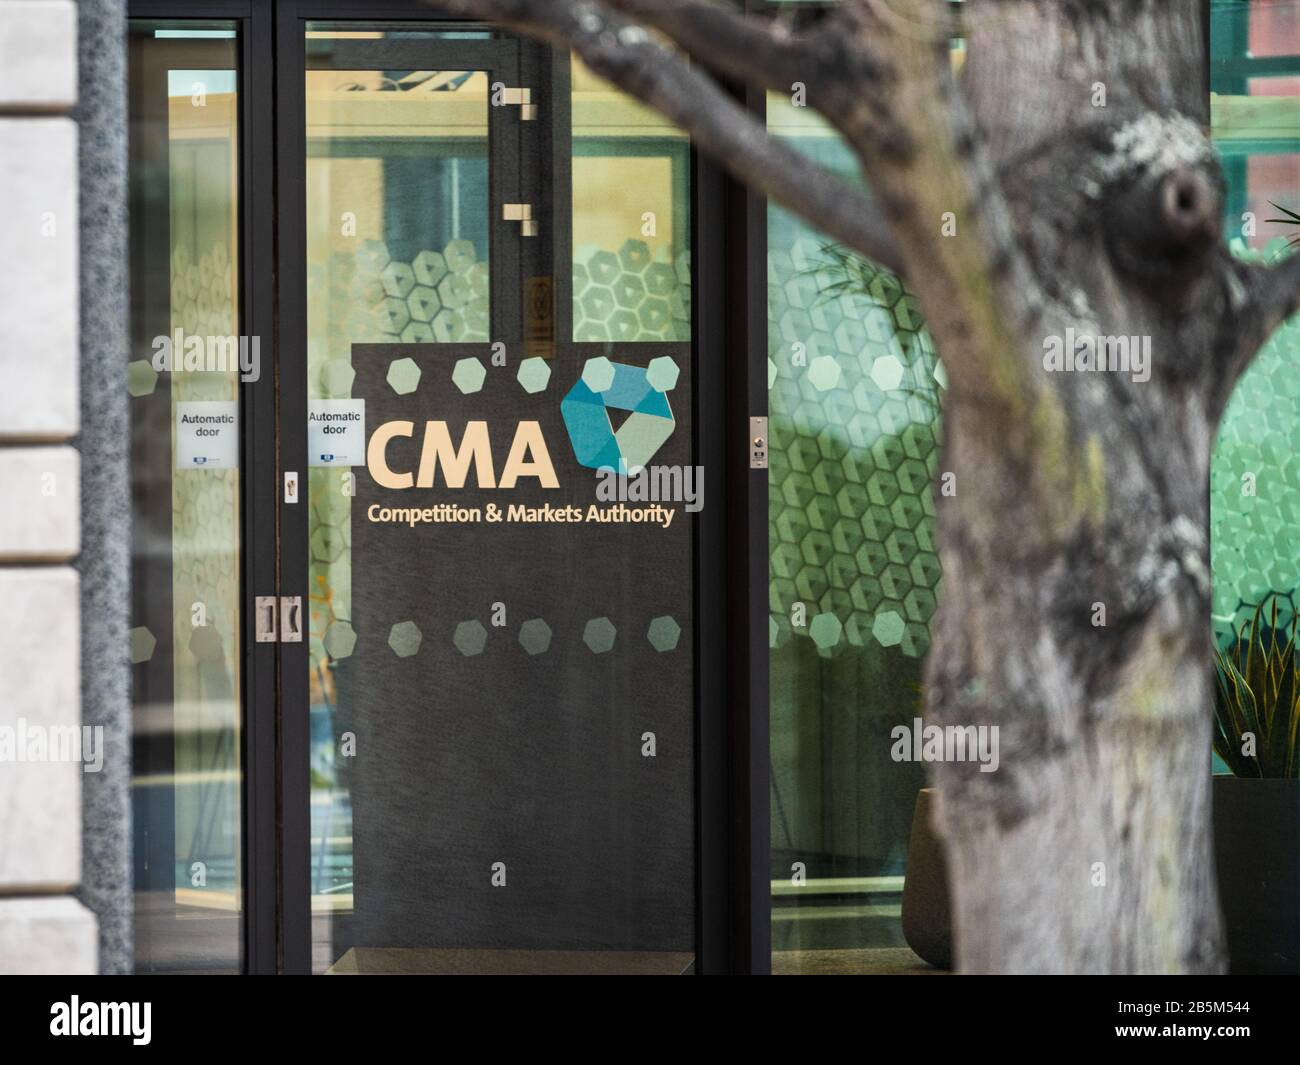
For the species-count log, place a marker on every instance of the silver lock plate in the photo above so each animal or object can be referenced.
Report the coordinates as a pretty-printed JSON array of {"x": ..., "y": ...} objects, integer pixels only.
[
  {"x": 266, "y": 610},
  {"x": 758, "y": 443}
]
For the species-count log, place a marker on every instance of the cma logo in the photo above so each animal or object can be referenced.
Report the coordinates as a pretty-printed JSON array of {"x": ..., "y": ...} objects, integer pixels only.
[
  {"x": 528, "y": 457},
  {"x": 603, "y": 386}
]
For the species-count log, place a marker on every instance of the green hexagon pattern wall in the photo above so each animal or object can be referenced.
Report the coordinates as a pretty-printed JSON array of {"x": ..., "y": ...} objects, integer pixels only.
[{"x": 854, "y": 395}]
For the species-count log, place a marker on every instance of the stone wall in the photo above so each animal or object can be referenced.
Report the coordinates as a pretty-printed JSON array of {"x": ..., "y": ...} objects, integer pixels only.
[{"x": 43, "y": 928}]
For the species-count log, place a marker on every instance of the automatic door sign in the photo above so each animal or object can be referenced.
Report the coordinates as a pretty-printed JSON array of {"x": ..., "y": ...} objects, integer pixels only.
[
  {"x": 207, "y": 435},
  {"x": 336, "y": 432}
]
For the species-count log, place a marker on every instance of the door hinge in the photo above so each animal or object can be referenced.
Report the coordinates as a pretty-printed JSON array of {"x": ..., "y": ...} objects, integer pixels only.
[
  {"x": 278, "y": 617},
  {"x": 521, "y": 98},
  {"x": 758, "y": 443},
  {"x": 523, "y": 214}
]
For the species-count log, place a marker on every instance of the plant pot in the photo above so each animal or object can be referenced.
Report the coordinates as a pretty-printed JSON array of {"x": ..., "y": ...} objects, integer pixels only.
[
  {"x": 927, "y": 918},
  {"x": 1257, "y": 854}
]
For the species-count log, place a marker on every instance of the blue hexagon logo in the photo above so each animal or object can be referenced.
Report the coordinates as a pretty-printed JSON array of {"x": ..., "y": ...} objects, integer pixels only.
[{"x": 596, "y": 443}]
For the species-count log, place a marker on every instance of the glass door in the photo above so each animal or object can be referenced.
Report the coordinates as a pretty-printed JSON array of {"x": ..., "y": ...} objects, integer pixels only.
[
  {"x": 185, "y": 380},
  {"x": 489, "y": 728}
]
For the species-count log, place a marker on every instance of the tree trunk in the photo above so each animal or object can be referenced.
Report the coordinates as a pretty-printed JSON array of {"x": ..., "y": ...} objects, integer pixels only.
[
  {"x": 1064, "y": 188},
  {"x": 1075, "y": 607}
]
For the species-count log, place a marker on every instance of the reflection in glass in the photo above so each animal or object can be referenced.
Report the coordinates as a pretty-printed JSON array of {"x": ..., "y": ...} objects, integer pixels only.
[
  {"x": 631, "y": 218},
  {"x": 502, "y": 711},
  {"x": 397, "y": 252},
  {"x": 854, "y": 398},
  {"x": 185, "y": 555},
  {"x": 1255, "y": 117}
]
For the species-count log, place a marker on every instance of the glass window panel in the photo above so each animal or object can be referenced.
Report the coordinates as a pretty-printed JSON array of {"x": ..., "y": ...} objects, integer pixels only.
[
  {"x": 854, "y": 397},
  {"x": 185, "y": 644},
  {"x": 1255, "y": 84},
  {"x": 1273, "y": 25},
  {"x": 493, "y": 677},
  {"x": 631, "y": 218}
]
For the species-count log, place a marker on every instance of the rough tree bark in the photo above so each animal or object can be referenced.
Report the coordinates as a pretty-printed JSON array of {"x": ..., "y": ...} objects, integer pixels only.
[{"x": 1076, "y": 493}]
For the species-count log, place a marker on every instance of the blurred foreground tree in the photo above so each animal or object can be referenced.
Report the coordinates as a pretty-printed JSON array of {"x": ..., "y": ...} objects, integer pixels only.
[{"x": 1060, "y": 190}]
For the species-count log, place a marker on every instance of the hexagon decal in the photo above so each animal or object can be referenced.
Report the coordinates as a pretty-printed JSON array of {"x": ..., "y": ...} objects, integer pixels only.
[
  {"x": 598, "y": 374},
  {"x": 534, "y": 374},
  {"x": 143, "y": 643},
  {"x": 888, "y": 628},
  {"x": 468, "y": 375},
  {"x": 662, "y": 373},
  {"x": 599, "y": 635},
  {"x": 141, "y": 378},
  {"x": 825, "y": 630},
  {"x": 535, "y": 636},
  {"x": 403, "y": 376},
  {"x": 887, "y": 373},
  {"x": 470, "y": 638},
  {"x": 340, "y": 640},
  {"x": 663, "y": 634},
  {"x": 404, "y": 638},
  {"x": 824, "y": 373}
]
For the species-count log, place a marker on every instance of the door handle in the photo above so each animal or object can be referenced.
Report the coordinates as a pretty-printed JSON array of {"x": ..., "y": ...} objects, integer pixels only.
[
  {"x": 265, "y": 610},
  {"x": 291, "y": 619}
]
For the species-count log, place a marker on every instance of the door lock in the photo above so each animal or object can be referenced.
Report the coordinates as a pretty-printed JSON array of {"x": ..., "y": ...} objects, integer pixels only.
[{"x": 758, "y": 443}]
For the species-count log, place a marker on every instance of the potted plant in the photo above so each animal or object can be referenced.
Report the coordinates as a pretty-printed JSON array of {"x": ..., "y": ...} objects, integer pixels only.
[
  {"x": 1290, "y": 219},
  {"x": 1257, "y": 807}
]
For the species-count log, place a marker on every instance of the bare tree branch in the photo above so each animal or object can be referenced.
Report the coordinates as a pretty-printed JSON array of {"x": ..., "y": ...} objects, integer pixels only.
[
  {"x": 1261, "y": 298},
  {"x": 754, "y": 49},
  {"x": 625, "y": 54},
  {"x": 1277, "y": 294}
]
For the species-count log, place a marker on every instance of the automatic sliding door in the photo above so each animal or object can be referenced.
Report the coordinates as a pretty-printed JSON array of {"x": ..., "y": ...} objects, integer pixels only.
[{"x": 500, "y": 651}]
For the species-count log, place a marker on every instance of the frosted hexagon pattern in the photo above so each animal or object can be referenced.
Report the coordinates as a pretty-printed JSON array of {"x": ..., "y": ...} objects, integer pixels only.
[
  {"x": 359, "y": 296},
  {"x": 852, "y": 456},
  {"x": 1255, "y": 486},
  {"x": 631, "y": 294}
]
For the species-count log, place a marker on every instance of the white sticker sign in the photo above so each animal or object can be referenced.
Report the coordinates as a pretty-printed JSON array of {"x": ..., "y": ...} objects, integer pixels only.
[
  {"x": 207, "y": 435},
  {"x": 336, "y": 432}
]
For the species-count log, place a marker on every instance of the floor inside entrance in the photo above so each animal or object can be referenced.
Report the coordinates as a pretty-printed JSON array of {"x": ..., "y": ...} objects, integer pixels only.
[
  {"x": 393, "y": 961},
  {"x": 412, "y": 962}
]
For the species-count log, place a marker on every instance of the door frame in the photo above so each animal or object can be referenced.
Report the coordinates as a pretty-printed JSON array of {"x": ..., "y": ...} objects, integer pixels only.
[{"x": 728, "y": 238}]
